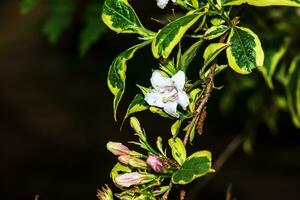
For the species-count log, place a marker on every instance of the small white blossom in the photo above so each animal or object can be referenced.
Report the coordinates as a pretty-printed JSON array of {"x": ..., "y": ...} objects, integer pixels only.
[
  {"x": 168, "y": 92},
  {"x": 163, "y": 3}
]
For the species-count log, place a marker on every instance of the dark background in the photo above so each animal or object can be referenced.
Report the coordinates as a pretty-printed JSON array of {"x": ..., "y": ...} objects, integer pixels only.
[{"x": 56, "y": 117}]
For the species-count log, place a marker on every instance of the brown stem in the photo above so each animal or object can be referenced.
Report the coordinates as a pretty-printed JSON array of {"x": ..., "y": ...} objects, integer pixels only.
[
  {"x": 182, "y": 194},
  {"x": 201, "y": 105}
]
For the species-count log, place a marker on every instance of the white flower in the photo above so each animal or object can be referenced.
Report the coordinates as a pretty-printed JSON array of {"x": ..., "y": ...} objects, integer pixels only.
[
  {"x": 163, "y": 3},
  {"x": 168, "y": 92}
]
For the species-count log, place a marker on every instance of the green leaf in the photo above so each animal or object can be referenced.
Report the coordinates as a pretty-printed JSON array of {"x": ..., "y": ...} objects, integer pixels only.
[
  {"x": 188, "y": 3},
  {"x": 295, "y": 3},
  {"x": 59, "y": 20},
  {"x": 189, "y": 55},
  {"x": 176, "y": 127},
  {"x": 217, "y": 21},
  {"x": 117, "y": 74},
  {"x": 211, "y": 52},
  {"x": 120, "y": 17},
  {"x": 194, "y": 96},
  {"x": 195, "y": 166},
  {"x": 293, "y": 90},
  {"x": 178, "y": 150},
  {"x": 138, "y": 104},
  {"x": 273, "y": 55},
  {"x": 215, "y": 32},
  {"x": 245, "y": 52},
  {"x": 93, "y": 30},
  {"x": 168, "y": 37},
  {"x": 27, "y": 5}
]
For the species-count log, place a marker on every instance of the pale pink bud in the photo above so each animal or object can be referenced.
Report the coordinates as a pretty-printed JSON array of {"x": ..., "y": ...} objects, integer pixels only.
[
  {"x": 134, "y": 178},
  {"x": 124, "y": 159},
  {"x": 117, "y": 148},
  {"x": 133, "y": 161},
  {"x": 155, "y": 163}
]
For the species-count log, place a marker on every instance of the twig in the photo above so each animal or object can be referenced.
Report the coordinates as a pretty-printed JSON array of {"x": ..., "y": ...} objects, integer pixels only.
[
  {"x": 228, "y": 192},
  {"x": 182, "y": 194},
  {"x": 202, "y": 103},
  {"x": 203, "y": 100},
  {"x": 37, "y": 197}
]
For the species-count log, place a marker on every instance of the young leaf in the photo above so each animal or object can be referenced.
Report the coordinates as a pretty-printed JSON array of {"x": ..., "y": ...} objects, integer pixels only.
[
  {"x": 195, "y": 166},
  {"x": 138, "y": 104},
  {"x": 215, "y": 32},
  {"x": 93, "y": 29},
  {"x": 178, "y": 150},
  {"x": 194, "y": 96},
  {"x": 176, "y": 127},
  {"x": 120, "y": 17},
  {"x": 27, "y": 5},
  {"x": 60, "y": 19},
  {"x": 189, "y": 55},
  {"x": 211, "y": 52},
  {"x": 273, "y": 56},
  {"x": 245, "y": 52},
  {"x": 188, "y": 3},
  {"x": 295, "y": 3},
  {"x": 168, "y": 37},
  {"x": 117, "y": 74},
  {"x": 293, "y": 90}
]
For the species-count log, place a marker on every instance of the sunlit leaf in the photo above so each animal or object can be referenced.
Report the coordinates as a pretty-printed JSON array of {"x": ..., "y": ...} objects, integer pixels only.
[
  {"x": 117, "y": 74},
  {"x": 245, "y": 52},
  {"x": 195, "y": 166}
]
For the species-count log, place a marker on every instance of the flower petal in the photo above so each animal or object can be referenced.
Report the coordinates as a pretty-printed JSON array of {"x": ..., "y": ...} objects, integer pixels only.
[
  {"x": 171, "y": 108},
  {"x": 183, "y": 99},
  {"x": 159, "y": 82},
  {"x": 179, "y": 80},
  {"x": 155, "y": 99},
  {"x": 162, "y": 3}
]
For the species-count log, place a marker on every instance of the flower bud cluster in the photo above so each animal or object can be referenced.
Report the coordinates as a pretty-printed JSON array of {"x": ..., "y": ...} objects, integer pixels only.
[{"x": 135, "y": 160}]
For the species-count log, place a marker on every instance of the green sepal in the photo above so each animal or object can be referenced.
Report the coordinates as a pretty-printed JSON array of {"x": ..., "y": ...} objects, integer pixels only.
[
  {"x": 117, "y": 74},
  {"x": 120, "y": 17},
  {"x": 178, "y": 150},
  {"x": 272, "y": 58},
  {"x": 215, "y": 32},
  {"x": 169, "y": 36},
  {"x": 159, "y": 111},
  {"x": 195, "y": 166},
  {"x": 245, "y": 52},
  {"x": 262, "y": 3}
]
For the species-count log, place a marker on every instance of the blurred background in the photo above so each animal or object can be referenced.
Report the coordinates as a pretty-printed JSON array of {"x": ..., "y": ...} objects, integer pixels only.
[{"x": 56, "y": 110}]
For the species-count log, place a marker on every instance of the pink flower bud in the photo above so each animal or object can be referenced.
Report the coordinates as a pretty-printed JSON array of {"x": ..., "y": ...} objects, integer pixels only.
[
  {"x": 133, "y": 161},
  {"x": 124, "y": 159},
  {"x": 155, "y": 163},
  {"x": 134, "y": 178},
  {"x": 117, "y": 148}
]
